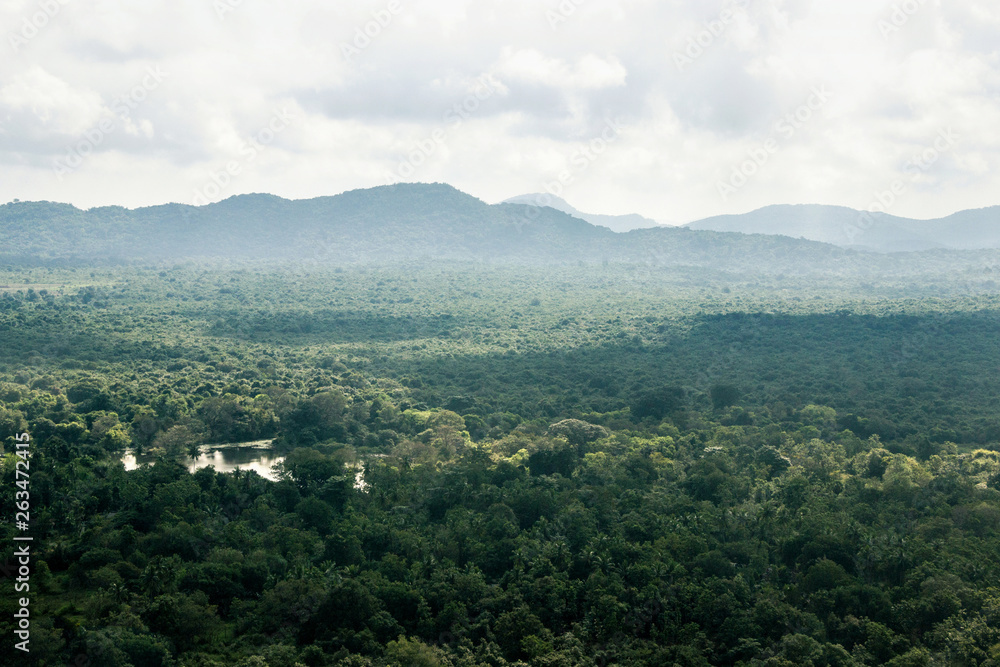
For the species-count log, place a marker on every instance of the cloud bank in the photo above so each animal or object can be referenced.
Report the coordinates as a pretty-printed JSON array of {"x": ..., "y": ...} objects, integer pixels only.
[{"x": 713, "y": 105}]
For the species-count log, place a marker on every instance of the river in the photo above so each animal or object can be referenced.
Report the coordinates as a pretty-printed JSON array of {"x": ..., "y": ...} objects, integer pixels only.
[{"x": 258, "y": 456}]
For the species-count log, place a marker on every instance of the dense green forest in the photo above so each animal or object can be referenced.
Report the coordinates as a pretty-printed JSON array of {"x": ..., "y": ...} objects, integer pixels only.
[{"x": 588, "y": 464}]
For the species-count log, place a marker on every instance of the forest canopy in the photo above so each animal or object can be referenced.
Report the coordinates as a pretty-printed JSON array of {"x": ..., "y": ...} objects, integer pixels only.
[{"x": 568, "y": 465}]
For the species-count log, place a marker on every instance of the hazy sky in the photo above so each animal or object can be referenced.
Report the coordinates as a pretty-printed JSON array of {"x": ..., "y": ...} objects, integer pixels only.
[{"x": 676, "y": 110}]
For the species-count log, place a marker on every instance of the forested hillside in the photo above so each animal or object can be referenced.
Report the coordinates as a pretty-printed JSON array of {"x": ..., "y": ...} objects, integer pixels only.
[
  {"x": 399, "y": 223},
  {"x": 618, "y": 464}
]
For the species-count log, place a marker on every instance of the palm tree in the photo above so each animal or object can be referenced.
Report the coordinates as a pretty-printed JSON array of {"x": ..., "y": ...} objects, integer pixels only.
[{"x": 157, "y": 577}]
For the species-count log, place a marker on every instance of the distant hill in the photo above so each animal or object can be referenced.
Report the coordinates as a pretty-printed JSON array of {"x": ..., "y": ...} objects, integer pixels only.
[
  {"x": 397, "y": 224},
  {"x": 878, "y": 232},
  {"x": 966, "y": 230},
  {"x": 390, "y": 223},
  {"x": 616, "y": 223}
]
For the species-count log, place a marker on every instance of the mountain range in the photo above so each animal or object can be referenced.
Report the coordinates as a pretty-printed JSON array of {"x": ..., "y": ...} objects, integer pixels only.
[
  {"x": 837, "y": 225},
  {"x": 420, "y": 222},
  {"x": 879, "y": 232}
]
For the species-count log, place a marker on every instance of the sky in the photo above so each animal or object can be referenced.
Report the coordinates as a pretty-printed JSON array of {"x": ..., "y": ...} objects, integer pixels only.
[{"x": 677, "y": 110}]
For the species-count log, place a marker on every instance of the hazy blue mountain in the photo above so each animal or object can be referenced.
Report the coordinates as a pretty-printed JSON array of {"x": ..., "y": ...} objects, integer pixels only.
[
  {"x": 966, "y": 230},
  {"x": 392, "y": 223},
  {"x": 395, "y": 224},
  {"x": 879, "y": 232},
  {"x": 616, "y": 223}
]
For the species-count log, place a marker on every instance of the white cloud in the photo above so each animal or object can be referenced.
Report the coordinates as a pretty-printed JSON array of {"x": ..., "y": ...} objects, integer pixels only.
[
  {"x": 555, "y": 86},
  {"x": 39, "y": 103},
  {"x": 531, "y": 66}
]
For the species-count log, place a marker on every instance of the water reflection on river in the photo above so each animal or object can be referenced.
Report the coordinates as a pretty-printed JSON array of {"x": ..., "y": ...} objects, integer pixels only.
[{"x": 257, "y": 456}]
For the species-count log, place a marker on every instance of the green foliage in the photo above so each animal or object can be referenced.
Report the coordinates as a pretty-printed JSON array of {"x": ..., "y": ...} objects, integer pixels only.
[
  {"x": 412, "y": 653},
  {"x": 724, "y": 395},
  {"x": 470, "y": 480}
]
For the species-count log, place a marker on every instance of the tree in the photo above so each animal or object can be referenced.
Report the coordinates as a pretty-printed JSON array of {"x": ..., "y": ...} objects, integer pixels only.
[
  {"x": 315, "y": 514},
  {"x": 724, "y": 395},
  {"x": 578, "y": 432},
  {"x": 177, "y": 441},
  {"x": 414, "y": 653},
  {"x": 659, "y": 403},
  {"x": 315, "y": 473}
]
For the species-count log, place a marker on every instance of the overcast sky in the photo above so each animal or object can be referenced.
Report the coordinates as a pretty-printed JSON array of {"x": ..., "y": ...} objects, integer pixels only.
[{"x": 674, "y": 109}]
